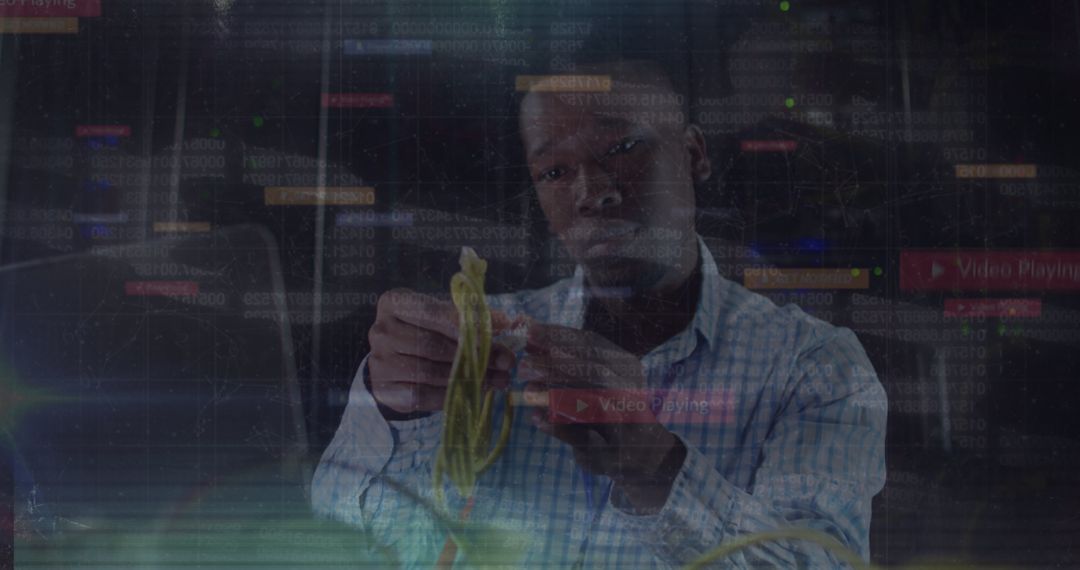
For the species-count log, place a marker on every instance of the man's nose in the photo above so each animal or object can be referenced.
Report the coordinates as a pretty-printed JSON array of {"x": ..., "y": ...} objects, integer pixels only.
[{"x": 595, "y": 190}]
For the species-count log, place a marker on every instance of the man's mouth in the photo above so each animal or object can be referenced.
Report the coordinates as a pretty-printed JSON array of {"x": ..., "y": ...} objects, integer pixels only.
[{"x": 610, "y": 239}]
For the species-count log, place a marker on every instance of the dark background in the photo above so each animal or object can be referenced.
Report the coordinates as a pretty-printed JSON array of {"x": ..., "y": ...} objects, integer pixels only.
[{"x": 886, "y": 97}]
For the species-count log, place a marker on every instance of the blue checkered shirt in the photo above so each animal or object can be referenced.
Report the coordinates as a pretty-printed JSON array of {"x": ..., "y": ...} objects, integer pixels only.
[{"x": 803, "y": 446}]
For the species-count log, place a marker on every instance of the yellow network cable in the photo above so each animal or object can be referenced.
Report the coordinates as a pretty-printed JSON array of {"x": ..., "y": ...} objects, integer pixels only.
[
  {"x": 826, "y": 541},
  {"x": 463, "y": 454}
]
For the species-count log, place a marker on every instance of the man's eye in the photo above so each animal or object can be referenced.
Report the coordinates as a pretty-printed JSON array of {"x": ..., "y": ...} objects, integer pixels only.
[
  {"x": 624, "y": 146},
  {"x": 550, "y": 175}
]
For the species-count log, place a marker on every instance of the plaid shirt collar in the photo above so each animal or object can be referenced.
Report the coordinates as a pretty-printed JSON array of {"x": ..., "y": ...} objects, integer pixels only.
[{"x": 570, "y": 302}]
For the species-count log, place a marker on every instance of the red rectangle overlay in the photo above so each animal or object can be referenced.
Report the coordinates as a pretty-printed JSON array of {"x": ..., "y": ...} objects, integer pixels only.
[
  {"x": 768, "y": 146},
  {"x": 975, "y": 308},
  {"x": 358, "y": 100},
  {"x": 50, "y": 8},
  {"x": 102, "y": 130},
  {"x": 976, "y": 270},
  {"x": 161, "y": 288},
  {"x": 639, "y": 406}
]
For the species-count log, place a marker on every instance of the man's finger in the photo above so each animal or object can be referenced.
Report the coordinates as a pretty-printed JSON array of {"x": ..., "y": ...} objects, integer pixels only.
[
  {"x": 569, "y": 342},
  {"x": 497, "y": 379},
  {"x": 500, "y": 321},
  {"x": 575, "y": 435},
  {"x": 411, "y": 340},
  {"x": 501, "y": 358},
  {"x": 404, "y": 338},
  {"x": 427, "y": 312},
  {"x": 543, "y": 337},
  {"x": 582, "y": 372},
  {"x": 410, "y": 369},
  {"x": 590, "y": 449},
  {"x": 423, "y": 311}
]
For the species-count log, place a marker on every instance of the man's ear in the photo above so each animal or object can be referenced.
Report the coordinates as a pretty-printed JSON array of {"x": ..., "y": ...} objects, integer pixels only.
[{"x": 700, "y": 165}]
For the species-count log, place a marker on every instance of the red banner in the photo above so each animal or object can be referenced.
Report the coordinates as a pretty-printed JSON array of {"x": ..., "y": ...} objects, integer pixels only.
[
  {"x": 358, "y": 100},
  {"x": 768, "y": 145},
  {"x": 161, "y": 288},
  {"x": 977, "y": 270},
  {"x": 975, "y": 308},
  {"x": 82, "y": 131},
  {"x": 639, "y": 406}
]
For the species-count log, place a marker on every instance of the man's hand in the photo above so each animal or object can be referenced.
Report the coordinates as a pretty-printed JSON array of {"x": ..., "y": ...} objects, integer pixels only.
[
  {"x": 641, "y": 456},
  {"x": 413, "y": 342}
]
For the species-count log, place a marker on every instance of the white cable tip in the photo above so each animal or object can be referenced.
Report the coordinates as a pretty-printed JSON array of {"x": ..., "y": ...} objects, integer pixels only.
[{"x": 516, "y": 336}]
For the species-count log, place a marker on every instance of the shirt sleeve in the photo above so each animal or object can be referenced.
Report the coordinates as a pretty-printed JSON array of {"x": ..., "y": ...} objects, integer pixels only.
[
  {"x": 366, "y": 445},
  {"x": 822, "y": 463}
]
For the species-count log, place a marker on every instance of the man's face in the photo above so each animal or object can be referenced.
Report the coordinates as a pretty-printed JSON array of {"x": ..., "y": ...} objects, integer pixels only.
[{"x": 615, "y": 173}]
